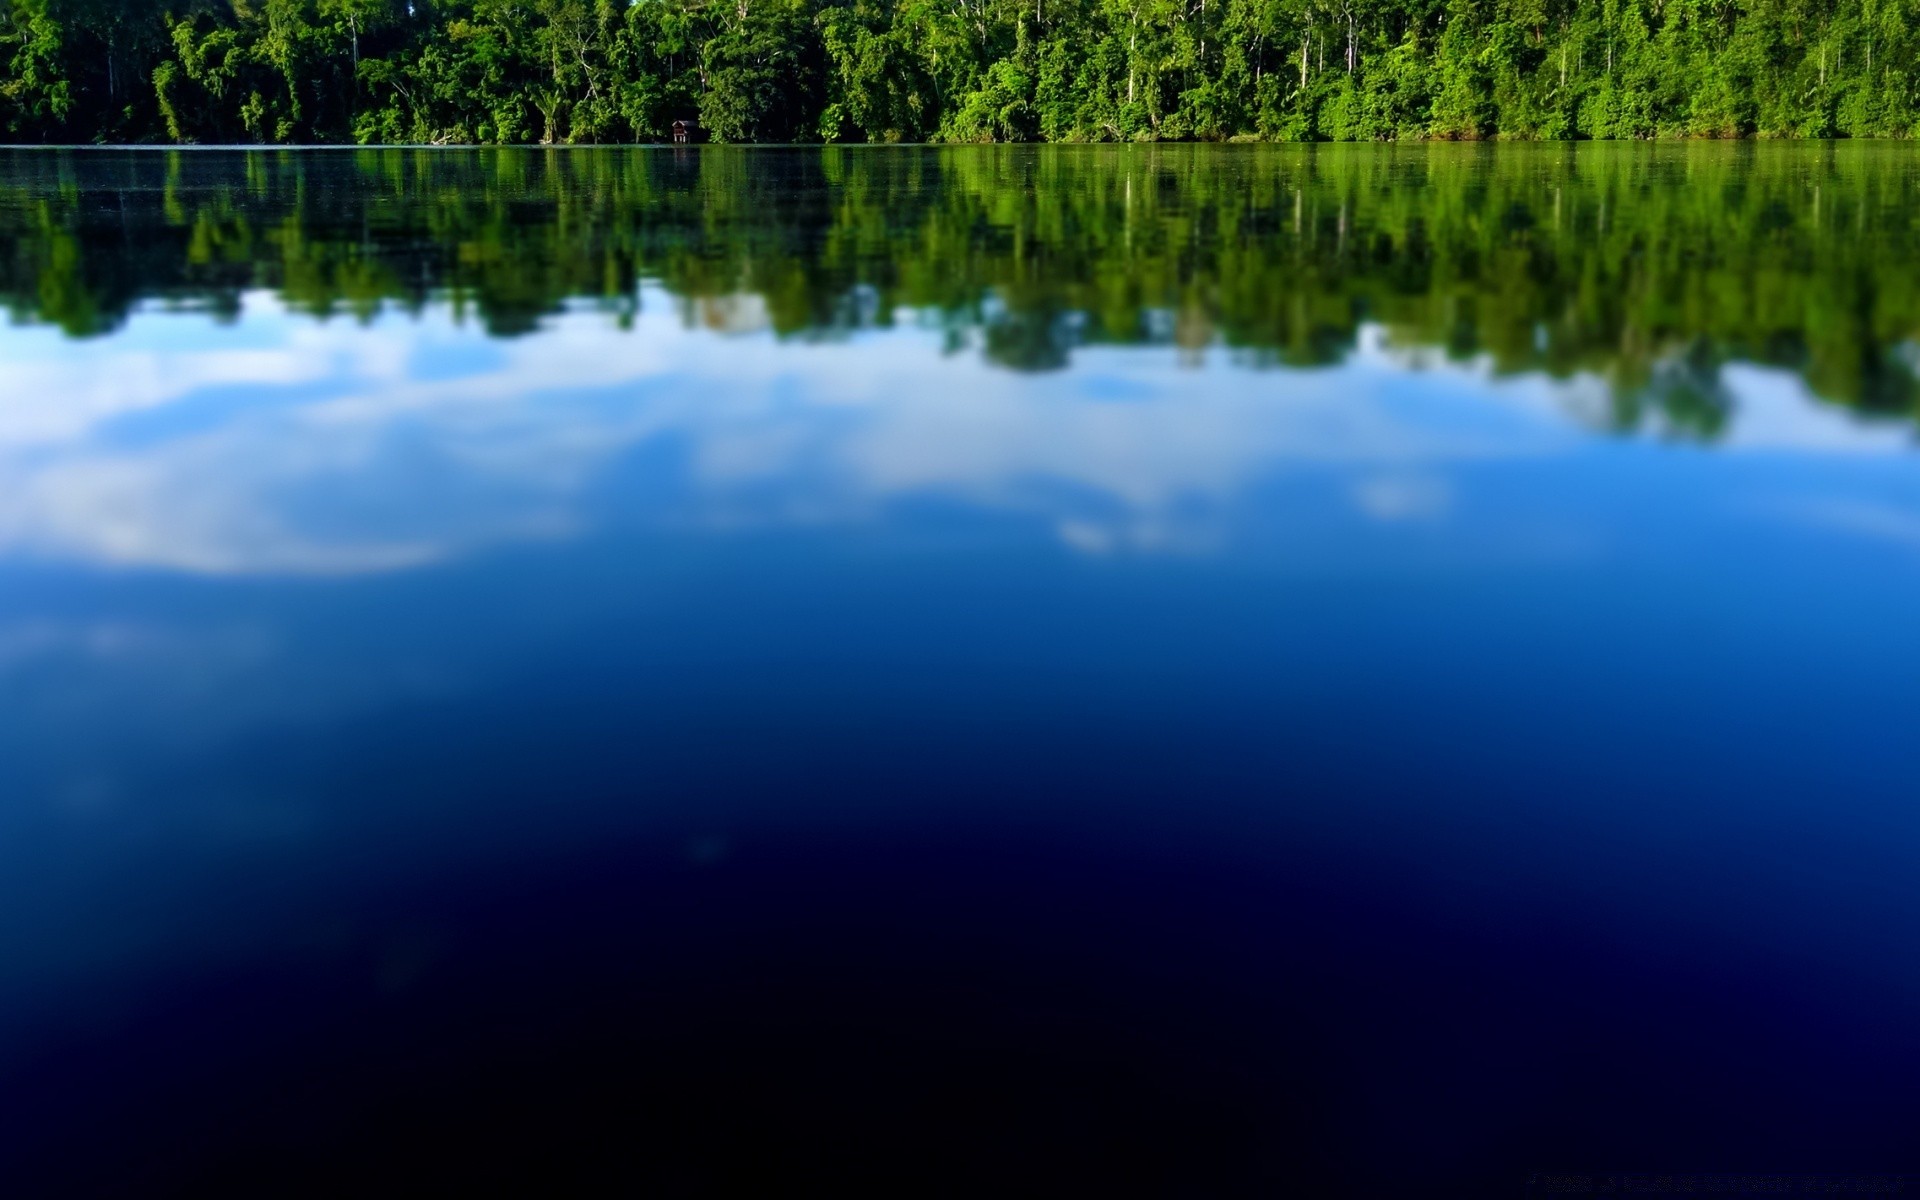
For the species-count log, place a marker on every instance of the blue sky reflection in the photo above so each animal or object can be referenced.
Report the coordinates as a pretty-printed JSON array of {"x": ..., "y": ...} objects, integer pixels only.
[{"x": 282, "y": 445}]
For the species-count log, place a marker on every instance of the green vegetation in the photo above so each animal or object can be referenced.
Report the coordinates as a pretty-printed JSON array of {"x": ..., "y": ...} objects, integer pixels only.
[
  {"x": 1646, "y": 266},
  {"x": 596, "y": 71}
]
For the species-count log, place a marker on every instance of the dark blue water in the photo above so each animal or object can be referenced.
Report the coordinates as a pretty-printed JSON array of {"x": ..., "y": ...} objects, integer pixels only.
[{"x": 684, "y": 760}]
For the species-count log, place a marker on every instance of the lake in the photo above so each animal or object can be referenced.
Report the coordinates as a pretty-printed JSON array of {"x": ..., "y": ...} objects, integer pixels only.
[{"x": 1342, "y": 671}]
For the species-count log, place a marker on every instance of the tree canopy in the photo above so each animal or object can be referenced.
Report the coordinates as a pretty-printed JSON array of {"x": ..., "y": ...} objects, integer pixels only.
[{"x": 595, "y": 71}]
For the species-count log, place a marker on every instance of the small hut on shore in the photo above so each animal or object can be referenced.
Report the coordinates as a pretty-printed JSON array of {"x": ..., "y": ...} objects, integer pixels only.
[{"x": 686, "y": 130}]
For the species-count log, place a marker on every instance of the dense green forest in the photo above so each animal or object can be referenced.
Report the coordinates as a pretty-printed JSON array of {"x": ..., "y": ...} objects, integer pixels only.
[
  {"x": 1649, "y": 267},
  {"x": 593, "y": 71}
]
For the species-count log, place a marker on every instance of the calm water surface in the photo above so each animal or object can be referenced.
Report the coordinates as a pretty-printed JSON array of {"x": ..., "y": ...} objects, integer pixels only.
[{"x": 1181, "y": 671}]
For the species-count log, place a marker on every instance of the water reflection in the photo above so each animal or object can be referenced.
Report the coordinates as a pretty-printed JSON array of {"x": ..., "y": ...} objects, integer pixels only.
[
  {"x": 1647, "y": 266},
  {"x": 278, "y": 445},
  {"x": 1285, "y": 657}
]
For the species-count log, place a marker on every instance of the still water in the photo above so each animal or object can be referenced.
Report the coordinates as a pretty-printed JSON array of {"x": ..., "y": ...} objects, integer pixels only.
[{"x": 1173, "y": 671}]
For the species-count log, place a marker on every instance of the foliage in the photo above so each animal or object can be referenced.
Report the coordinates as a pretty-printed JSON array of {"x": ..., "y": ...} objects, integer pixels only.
[{"x": 590, "y": 71}]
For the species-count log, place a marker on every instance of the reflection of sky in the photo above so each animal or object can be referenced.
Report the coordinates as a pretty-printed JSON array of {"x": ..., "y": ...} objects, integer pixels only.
[
  {"x": 211, "y": 530},
  {"x": 282, "y": 445},
  {"x": 290, "y": 611}
]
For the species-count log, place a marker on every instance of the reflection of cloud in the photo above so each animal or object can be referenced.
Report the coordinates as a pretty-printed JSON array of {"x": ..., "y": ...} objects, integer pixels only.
[
  {"x": 1778, "y": 411},
  {"x": 1086, "y": 537},
  {"x": 207, "y": 507},
  {"x": 284, "y": 445},
  {"x": 120, "y": 673},
  {"x": 1861, "y": 518},
  {"x": 25, "y": 642},
  {"x": 49, "y": 401},
  {"x": 72, "y": 645},
  {"x": 1403, "y": 497},
  {"x": 1151, "y": 534}
]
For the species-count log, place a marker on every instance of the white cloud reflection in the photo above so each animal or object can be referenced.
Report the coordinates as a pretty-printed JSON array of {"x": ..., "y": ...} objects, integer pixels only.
[
  {"x": 1856, "y": 518},
  {"x": 281, "y": 445}
]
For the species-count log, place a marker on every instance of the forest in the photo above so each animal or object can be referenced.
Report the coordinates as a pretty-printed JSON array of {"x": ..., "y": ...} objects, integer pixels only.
[{"x": 622, "y": 71}]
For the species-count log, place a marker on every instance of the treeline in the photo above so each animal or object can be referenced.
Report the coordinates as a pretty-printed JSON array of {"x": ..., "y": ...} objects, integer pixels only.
[
  {"x": 596, "y": 71},
  {"x": 1648, "y": 267}
]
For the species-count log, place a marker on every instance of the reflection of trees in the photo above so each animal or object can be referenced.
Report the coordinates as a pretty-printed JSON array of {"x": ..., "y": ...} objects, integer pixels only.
[
  {"x": 1683, "y": 392},
  {"x": 1649, "y": 266}
]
